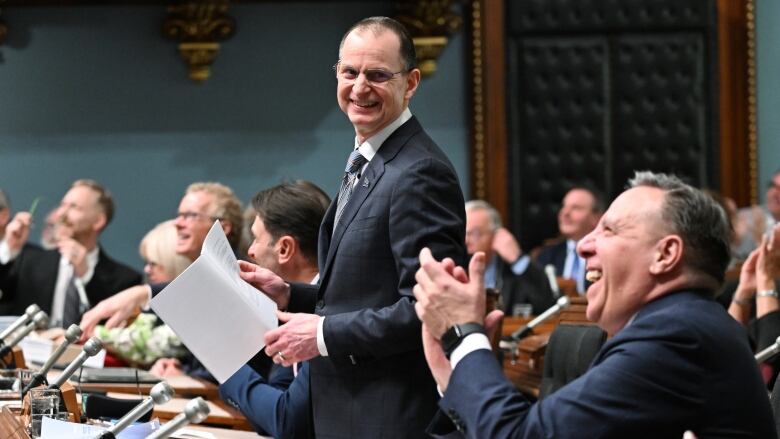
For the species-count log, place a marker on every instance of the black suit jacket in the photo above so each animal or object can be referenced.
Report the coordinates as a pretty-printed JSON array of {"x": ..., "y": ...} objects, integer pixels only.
[
  {"x": 31, "y": 278},
  {"x": 554, "y": 255},
  {"x": 375, "y": 381},
  {"x": 682, "y": 364},
  {"x": 531, "y": 287}
]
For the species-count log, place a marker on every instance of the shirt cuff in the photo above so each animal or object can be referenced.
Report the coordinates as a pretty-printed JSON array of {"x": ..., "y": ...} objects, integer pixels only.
[
  {"x": 148, "y": 304},
  {"x": 6, "y": 255},
  {"x": 521, "y": 265},
  {"x": 321, "y": 338},
  {"x": 471, "y": 343}
]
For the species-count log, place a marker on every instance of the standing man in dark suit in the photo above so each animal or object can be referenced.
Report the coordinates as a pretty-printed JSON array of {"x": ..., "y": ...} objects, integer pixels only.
[
  {"x": 676, "y": 360},
  {"x": 399, "y": 194},
  {"x": 580, "y": 212},
  {"x": 519, "y": 281},
  {"x": 66, "y": 281}
]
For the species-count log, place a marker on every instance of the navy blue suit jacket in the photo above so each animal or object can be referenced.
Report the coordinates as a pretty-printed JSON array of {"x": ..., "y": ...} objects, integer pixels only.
[
  {"x": 375, "y": 381},
  {"x": 278, "y": 406},
  {"x": 682, "y": 364}
]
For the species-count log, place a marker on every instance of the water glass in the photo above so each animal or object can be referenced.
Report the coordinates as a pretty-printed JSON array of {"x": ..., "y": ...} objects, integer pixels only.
[{"x": 43, "y": 403}]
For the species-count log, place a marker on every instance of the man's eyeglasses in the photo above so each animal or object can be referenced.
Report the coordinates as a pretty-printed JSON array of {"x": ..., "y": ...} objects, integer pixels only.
[
  {"x": 374, "y": 76},
  {"x": 192, "y": 216}
]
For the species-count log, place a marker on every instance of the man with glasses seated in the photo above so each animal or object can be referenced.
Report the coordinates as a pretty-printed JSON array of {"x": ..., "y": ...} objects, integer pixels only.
[{"x": 202, "y": 204}]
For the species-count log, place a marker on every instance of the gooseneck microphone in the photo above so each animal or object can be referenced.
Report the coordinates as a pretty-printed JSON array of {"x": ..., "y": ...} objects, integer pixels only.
[
  {"x": 24, "y": 318},
  {"x": 549, "y": 270},
  {"x": 91, "y": 348},
  {"x": 72, "y": 334},
  {"x": 39, "y": 321},
  {"x": 194, "y": 412},
  {"x": 510, "y": 342},
  {"x": 161, "y": 393},
  {"x": 768, "y": 352}
]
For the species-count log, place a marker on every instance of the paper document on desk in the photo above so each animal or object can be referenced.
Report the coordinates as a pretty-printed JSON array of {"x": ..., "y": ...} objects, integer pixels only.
[{"x": 219, "y": 317}]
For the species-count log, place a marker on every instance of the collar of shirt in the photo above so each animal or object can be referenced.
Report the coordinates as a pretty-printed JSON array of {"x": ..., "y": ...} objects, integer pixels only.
[
  {"x": 92, "y": 260},
  {"x": 370, "y": 146}
]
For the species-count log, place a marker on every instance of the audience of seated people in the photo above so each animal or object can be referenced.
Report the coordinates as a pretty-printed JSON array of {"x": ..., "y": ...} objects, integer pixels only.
[
  {"x": 145, "y": 340},
  {"x": 755, "y": 221}
]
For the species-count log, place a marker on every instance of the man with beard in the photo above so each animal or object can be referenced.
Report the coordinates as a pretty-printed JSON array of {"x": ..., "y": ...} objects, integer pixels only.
[{"x": 67, "y": 280}]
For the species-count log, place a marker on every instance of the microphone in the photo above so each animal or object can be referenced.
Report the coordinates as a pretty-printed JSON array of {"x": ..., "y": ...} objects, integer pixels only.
[
  {"x": 72, "y": 334},
  {"x": 549, "y": 270},
  {"x": 161, "y": 393},
  {"x": 510, "y": 342},
  {"x": 40, "y": 321},
  {"x": 769, "y": 352},
  {"x": 91, "y": 348},
  {"x": 28, "y": 314},
  {"x": 195, "y": 412}
]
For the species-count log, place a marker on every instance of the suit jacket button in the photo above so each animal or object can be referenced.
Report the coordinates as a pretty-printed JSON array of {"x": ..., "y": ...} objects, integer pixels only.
[{"x": 320, "y": 304}]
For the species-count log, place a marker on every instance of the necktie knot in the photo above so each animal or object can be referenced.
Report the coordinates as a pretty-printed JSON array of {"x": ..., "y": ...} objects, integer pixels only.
[{"x": 355, "y": 162}]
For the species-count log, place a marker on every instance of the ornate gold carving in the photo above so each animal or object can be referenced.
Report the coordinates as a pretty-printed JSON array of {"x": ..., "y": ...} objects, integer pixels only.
[
  {"x": 430, "y": 23},
  {"x": 751, "y": 107},
  {"x": 198, "y": 26}
]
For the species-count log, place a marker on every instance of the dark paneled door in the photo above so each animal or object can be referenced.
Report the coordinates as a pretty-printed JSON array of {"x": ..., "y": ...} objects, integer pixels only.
[{"x": 599, "y": 88}]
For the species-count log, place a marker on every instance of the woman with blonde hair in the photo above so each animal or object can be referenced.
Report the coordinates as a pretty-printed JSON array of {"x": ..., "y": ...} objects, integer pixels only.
[{"x": 144, "y": 341}]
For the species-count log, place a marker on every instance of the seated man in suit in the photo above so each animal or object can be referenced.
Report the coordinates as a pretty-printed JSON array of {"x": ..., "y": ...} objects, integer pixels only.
[
  {"x": 202, "y": 204},
  {"x": 66, "y": 281},
  {"x": 580, "y": 212},
  {"x": 285, "y": 231},
  {"x": 518, "y": 280},
  {"x": 676, "y": 360}
]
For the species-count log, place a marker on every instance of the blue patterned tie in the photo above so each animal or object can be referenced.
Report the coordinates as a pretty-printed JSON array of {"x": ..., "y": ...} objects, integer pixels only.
[{"x": 354, "y": 163}]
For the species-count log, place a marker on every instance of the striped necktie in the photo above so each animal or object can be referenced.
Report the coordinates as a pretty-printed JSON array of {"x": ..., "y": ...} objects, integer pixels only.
[{"x": 354, "y": 163}]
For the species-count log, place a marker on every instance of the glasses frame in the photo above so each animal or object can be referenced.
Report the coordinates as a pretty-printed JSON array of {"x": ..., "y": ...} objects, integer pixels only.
[
  {"x": 367, "y": 73},
  {"x": 193, "y": 216}
]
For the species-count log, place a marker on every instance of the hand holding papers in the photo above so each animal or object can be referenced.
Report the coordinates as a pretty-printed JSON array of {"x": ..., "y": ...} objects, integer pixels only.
[{"x": 219, "y": 317}]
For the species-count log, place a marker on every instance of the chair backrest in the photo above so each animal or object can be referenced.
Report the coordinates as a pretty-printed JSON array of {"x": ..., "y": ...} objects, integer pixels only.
[
  {"x": 569, "y": 353},
  {"x": 775, "y": 400}
]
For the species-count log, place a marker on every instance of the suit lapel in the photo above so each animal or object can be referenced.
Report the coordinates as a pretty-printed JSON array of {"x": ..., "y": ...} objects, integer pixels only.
[{"x": 369, "y": 179}]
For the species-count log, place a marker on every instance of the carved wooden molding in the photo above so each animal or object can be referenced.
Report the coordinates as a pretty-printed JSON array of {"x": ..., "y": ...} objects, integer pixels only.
[
  {"x": 430, "y": 23},
  {"x": 199, "y": 26}
]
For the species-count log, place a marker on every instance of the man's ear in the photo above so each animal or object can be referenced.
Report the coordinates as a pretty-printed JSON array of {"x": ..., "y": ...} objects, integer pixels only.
[
  {"x": 227, "y": 226},
  {"x": 667, "y": 254},
  {"x": 286, "y": 248},
  {"x": 100, "y": 222}
]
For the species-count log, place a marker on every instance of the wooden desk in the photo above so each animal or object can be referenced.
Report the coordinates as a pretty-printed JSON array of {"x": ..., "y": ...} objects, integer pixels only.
[
  {"x": 185, "y": 386},
  {"x": 221, "y": 414},
  {"x": 526, "y": 367}
]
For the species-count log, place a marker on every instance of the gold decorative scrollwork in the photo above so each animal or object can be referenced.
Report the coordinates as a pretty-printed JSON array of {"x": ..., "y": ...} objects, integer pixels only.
[
  {"x": 430, "y": 23},
  {"x": 199, "y": 26}
]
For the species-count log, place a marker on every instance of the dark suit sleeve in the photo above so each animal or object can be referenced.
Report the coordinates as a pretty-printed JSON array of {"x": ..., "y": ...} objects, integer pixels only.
[
  {"x": 426, "y": 210},
  {"x": 302, "y": 297},
  {"x": 271, "y": 407},
  {"x": 656, "y": 381}
]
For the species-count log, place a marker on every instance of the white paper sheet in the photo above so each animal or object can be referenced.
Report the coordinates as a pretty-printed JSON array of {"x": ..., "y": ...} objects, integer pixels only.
[
  {"x": 54, "y": 429},
  {"x": 219, "y": 317}
]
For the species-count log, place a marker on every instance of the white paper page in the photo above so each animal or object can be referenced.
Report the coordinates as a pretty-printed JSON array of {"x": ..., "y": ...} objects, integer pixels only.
[
  {"x": 54, "y": 429},
  {"x": 217, "y": 246},
  {"x": 218, "y": 320}
]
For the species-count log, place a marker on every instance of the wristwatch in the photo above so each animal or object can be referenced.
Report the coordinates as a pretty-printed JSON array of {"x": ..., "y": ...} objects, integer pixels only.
[{"x": 455, "y": 335}]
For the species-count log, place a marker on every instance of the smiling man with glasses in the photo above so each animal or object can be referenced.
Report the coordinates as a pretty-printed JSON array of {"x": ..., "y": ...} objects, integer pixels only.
[
  {"x": 399, "y": 192},
  {"x": 202, "y": 204}
]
